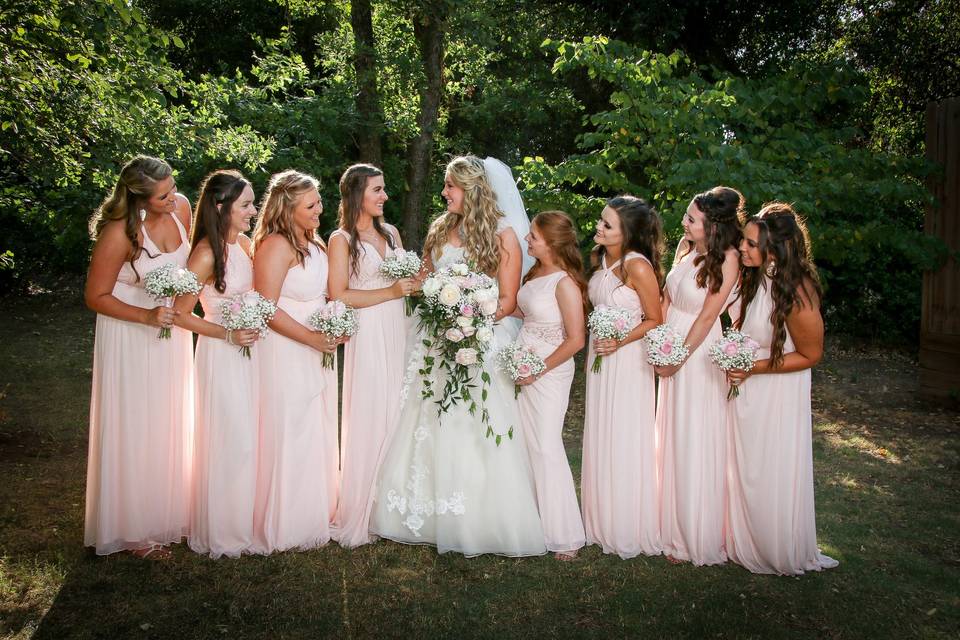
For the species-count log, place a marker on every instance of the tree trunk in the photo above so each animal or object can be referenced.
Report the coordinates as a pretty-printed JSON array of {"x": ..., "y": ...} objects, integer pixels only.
[
  {"x": 370, "y": 125},
  {"x": 429, "y": 28}
]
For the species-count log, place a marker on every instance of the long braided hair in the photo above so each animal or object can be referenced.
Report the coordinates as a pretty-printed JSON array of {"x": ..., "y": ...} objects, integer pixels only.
[
  {"x": 787, "y": 262},
  {"x": 723, "y": 213}
]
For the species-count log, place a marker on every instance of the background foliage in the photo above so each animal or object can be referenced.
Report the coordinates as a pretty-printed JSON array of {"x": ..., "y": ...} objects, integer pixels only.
[{"x": 818, "y": 102}]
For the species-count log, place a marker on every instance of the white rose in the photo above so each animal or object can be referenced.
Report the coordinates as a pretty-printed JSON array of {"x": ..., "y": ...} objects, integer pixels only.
[
  {"x": 449, "y": 295},
  {"x": 460, "y": 269},
  {"x": 489, "y": 307},
  {"x": 485, "y": 334},
  {"x": 453, "y": 335},
  {"x": 466, "y": 356},
  {"x": 468, "y": 331},
  {"x": 464, "y": 322},
  {"x": 431, "y": 286}
]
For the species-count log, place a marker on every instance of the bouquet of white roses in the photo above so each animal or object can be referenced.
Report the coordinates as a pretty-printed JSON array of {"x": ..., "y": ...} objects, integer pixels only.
[
  {"x": 247, "y": 310},
  {"x": 334, "y": 319},
  {"x": 608, "y": 322},
  {"x": 457, "y": 314},
  {"x": 519, "y": 361},
  {"x": 665, "y": 346},
  {"x": 402, "y": 264},
  {"x": 733, "y": 350},
  {"x": 166, "y": 283}
]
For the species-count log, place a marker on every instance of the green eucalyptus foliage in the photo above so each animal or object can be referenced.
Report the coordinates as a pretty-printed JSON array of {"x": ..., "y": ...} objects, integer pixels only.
[{"x": 669, "y": 133}]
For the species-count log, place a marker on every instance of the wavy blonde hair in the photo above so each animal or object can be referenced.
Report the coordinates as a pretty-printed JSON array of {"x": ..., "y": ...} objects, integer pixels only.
[
  {"x": 134, "y": 186},
  {"x": 276, "y": 211},
  {"x": 478, "y": 219}
]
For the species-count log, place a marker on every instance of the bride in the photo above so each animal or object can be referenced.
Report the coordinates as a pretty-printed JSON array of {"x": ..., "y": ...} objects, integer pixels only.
[{"x": 442, "y": 481}]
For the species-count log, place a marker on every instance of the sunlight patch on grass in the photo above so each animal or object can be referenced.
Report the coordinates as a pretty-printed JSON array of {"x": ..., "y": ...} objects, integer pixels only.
[{"x": 839, "y": 437}]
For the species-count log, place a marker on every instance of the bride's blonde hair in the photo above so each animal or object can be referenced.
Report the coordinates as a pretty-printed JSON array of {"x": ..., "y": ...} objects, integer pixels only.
[{"x": 478, "y": 218}]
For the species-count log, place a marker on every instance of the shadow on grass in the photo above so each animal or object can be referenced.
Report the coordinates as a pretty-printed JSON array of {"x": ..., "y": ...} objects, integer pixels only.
[{"x": 887, "y": 470}]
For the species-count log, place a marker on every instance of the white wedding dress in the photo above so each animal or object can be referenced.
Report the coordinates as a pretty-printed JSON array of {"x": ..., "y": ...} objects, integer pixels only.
[{"x": 442, "y": 481}]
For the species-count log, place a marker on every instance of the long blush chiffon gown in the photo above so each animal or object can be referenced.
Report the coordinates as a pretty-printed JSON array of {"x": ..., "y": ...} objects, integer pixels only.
[
  {"x": 772, "y": 525},
  {"x": 543, "y": 406},
  {"x": 226, "y": 427},
  {"x": 619, "y": 483},
  {"x": 297, "y": 470},
  {"x": 373, "y": 368},
  {"x": 692, "y": 418},
  {"x": 141, "y": 420}
]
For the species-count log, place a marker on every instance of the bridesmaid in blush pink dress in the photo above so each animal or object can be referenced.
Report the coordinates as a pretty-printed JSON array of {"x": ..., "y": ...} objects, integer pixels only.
[
  {"x": 692, "y": 408},
  {"x": 619, "y": 485},
  {"x": 226, "y": 405},
  {"x": 772, "y": 524},
  {"x": 296, "y": 493},
  {"x": 374, "y": 357},
  {"x": 141, "y": 404},
  {"x": 551, "y": 302}
]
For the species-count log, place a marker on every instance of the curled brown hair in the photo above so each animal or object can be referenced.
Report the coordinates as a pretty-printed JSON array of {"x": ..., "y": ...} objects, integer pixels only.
[
  {"x": 211, "y": 218},
  {"x": 276, "y": 212},
  {"x": 559, "y": 232},
  {"x": 135, "y": 185},
  {"x": 787, "y": 260},
  {"x": 723, "y": 213},
  {"x": 642, "y": 231},
  {"x": 353, "y": 183}
]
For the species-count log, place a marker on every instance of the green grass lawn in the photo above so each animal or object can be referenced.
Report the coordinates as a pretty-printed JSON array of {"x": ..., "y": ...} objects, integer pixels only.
[{"x": 888, "y": 484}]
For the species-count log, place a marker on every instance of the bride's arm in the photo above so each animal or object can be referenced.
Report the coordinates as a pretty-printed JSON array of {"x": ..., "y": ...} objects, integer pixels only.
[{"x": 508, "y": 273}]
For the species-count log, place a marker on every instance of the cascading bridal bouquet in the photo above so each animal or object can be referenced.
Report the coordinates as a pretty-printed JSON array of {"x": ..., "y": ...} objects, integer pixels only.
[
  {"x": 457, "y": 315},
  {"x": 608, "y": 322},
  {"x": 665, "y": 346},
  {"x": 166, "y": 283},
  {"x": 733, "y": 350},
  {"x": 519, "y": 361},
  {"x": 402, "y": 264},
  {"x": 334, "y": 319},
  {"x": 247, "y": 310}
]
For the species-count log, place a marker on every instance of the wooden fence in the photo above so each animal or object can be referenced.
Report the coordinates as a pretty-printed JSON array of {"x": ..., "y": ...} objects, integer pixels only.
[{"x": 940, "y": 315}]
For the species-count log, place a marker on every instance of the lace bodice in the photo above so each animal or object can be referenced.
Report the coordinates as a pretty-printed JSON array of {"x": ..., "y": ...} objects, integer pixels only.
[
  {"x": 238, "y": 278},
  {"x": 537, "y": 300}
]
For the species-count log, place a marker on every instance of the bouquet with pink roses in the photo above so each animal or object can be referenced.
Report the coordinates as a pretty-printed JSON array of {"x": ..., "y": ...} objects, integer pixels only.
[{"x": 734, "y": 350}]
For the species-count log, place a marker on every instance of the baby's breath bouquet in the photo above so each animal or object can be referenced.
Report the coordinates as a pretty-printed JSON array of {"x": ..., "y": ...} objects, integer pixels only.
[
  {"x": 334, "y": 319},
  {"x": 402, "y": 264},
  {"x": 608, "y": 322},
  {"x": 733, "y": 350},
  {"x": 519, "y": 361},
  {"x": 247, "y": 310},
  {"x": 665, "y": 346},
  {"x": 166, "y": 283}
]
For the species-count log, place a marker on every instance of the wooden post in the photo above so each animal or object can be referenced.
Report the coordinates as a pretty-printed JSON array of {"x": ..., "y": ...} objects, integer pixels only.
[{"x": 940, "y": 312}]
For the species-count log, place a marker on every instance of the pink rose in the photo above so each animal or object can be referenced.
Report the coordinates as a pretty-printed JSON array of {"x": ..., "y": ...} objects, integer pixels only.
[
  {"x": 453, "y": 335},
  {"x": 235, "y": 307},
  {"x": 619, "y": 324},
  {"x": 666, "y": 348},
  {"x": 751, "y": 344},
  {"x": 523, "y": 370},
  {"x": 466, "y": 356},
  {"x": 730, "y": 349},
  {"x": 466, "y": 310}
]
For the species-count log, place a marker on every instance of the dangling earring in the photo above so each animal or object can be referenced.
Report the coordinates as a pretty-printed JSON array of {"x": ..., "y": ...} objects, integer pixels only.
[
  {"x": 143, "y": 215},
  {"x": 771, "y": 269}
]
